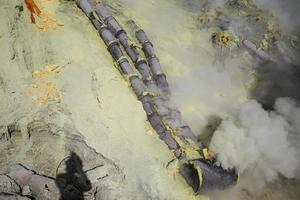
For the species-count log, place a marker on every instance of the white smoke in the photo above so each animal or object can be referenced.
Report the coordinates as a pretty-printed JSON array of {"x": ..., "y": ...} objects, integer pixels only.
[
  {"x": 287, "y": 13},
  {"x": 261, "y": 142}
]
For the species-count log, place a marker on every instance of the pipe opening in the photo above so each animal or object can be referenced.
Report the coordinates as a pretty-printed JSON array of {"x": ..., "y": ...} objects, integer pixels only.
[{"x": 191, "y": 176}]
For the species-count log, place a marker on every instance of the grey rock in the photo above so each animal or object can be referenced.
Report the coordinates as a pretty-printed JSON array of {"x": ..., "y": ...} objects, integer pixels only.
[
  {"x": 5, "y": 196},
  {"x": 8, "y": 185}
]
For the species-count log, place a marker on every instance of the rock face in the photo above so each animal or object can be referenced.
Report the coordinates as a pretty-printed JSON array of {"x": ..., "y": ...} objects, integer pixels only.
[
  {"x": 13, "y": 197},
  {"x": 68, "y": 117},
  {"x": 8, "y": 185},
  {"x": 62, "y": 161}
]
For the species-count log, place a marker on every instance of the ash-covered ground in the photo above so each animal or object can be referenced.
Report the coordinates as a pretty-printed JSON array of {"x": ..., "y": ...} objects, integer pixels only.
[{"x": 65, "y": 110}]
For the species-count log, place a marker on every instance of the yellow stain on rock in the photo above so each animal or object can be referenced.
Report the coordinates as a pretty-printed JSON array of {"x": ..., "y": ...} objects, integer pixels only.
[
  {"x": 45, "y": 89},
  {"x": 47, "y": 22},
  {"x": 47, "y": 92},
  {"x": 49, "y": 70}
]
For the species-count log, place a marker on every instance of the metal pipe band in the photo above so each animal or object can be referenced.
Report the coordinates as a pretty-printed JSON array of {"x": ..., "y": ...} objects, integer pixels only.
[
  {"x": 96, "y": 23},
  {"x": 147, "y": 42},
  {"x": 121, "y": 60},
  {"x": 141, "y": 61},
  {"x": 114, "y": 49},
  {"x": 112, "y": 42}
]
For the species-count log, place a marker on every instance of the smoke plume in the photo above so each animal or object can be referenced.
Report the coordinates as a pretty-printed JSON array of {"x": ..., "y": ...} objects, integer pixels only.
[
  {"x": 261, "y": 142},
  {"x": 208, "y": 83},
  {"x": 287, "y": 13}
]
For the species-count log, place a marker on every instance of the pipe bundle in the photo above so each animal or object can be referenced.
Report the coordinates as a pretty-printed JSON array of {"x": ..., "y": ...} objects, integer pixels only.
[{"x": 149, "y": 83}]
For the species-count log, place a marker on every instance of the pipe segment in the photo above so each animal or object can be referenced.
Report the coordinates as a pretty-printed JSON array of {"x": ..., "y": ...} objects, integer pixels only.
[
  {"x": 206, "y": 175},
  {"x": 259, "y": 52}
]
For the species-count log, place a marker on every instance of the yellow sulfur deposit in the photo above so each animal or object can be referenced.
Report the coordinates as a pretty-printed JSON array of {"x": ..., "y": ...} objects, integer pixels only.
[
  {"x": 48, "y": 22},
  {"x": 45, "y": 89}
]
